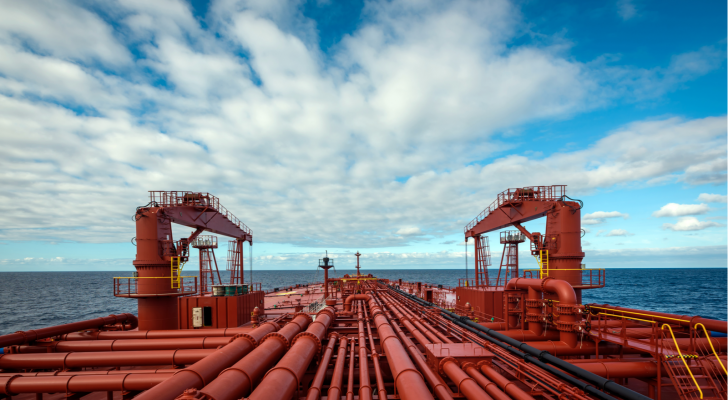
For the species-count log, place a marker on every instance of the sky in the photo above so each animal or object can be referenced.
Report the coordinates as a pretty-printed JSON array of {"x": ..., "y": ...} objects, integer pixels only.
[{"x": 375, "y": 126}]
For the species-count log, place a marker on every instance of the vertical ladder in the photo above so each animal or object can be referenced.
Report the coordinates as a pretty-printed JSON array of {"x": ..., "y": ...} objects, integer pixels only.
[
  {"x": 176, "y": 268},
  {"x": 482, "y": 260}
]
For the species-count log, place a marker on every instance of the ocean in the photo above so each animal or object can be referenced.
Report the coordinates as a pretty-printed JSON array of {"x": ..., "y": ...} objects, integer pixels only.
[{"x": 34, "y": 300}]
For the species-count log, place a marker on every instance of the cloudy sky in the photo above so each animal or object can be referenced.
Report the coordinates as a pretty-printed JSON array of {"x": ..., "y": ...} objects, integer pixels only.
[{"x": 378, "y": 126}]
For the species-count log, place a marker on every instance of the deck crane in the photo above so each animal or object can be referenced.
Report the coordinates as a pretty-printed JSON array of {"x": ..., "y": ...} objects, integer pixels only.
[
  {"x": 558, "y": 250},
  {"x": 159, "y": 257}
]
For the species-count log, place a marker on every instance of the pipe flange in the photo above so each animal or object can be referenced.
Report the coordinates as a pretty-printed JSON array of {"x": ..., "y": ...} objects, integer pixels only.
[
  {"x": 277, "y": 335},
  {"x": 313, "y": 337},
  {"x": 441, "y": 365},
  {"x": 543, "y": 284},
  {"x": 487, "y": 362},
  {"x": 246, "y": 337},
  {"x": 566, "y": 309},
  {"x": 535, "y": 303},
  {"x": 534, "y": 317},
  {"x": 467, "y": 365},
  {"x": 6, "y": 387}
]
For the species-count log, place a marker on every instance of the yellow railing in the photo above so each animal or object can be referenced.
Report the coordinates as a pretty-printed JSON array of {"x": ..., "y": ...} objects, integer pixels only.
[
  {"x": 711, "y": 346},
  {"x": 589, "y": 276},
  {"x": 683, "y": 359}
]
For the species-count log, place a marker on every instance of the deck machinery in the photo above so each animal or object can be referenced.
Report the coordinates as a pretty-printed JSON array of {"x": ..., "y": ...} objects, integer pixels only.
[{"x": 517, "y": 334}]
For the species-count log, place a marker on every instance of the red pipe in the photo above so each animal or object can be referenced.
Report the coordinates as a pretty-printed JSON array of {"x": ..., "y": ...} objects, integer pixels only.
[
  {"x": 465, "y": 384},
  {"x": 566, "y": 295},
  {"x": 489, "y": 387},
  {"x": 506, "y": 385},
  {"x": 435, "y": 381},
  {"x": 11, "y": 386},
  {"x": 350, "y": 298},
  {"x": 314, "y": 392},
  {"x": 381, "y": 390},
  {"x": 338, "y": 377},
  {"x": 350, "y": 384},
  {"x": 124, "y": 345},
  {"x": 238, "y": 380},
  {"x": 155, "y": 334},
  {"x": 365, "y": 388},
  {"x": 204, "y": 371},
  {"x": 283, "y": 380},
  {"x": 43, "y": 333},
  {"x": 102, "y": 359}
]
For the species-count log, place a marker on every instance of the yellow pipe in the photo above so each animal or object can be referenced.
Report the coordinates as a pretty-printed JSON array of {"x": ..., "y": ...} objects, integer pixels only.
[{"x": 647, "y": 315}]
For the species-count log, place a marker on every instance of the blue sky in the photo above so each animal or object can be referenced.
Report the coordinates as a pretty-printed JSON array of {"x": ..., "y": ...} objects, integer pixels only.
[{"x": 377, "y": 126}]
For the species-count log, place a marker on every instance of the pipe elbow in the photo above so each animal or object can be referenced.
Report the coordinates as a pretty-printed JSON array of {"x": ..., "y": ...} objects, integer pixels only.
[{"x": 563, "y": 290}]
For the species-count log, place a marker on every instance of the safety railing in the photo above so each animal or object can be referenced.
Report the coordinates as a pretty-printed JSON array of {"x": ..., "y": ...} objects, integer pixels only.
[
  {"x": 255, "y": 287},
  {"x": 678, "y": 374},
  {"x": 590, "y": 277},
  {"x": 126, "y": 286},
  {"x": 205, "y": 242},
  {"x": 530, "y": 193},
  {"x": 183, "y": 198},
  {"x": 317, "y": 305},
  {"x": 512, "y": 237}
]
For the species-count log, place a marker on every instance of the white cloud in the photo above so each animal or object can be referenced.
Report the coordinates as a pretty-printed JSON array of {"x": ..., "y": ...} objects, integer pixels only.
[
  {"x": 678, "y": 210},
  {"x": 713, "y": 198},
  {"x": 409, "y": 231},
  {"x": 619, "y": 232},
  {"x": 304, "y": 147},
  {"x": 599, "y": 217},
  {"x": 690, "y": 224},
  {"x": 626, "y": 9}
]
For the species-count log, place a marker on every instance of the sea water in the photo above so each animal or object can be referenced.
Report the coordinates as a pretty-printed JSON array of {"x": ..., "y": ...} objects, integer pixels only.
[{"x": 32, "y": 300}]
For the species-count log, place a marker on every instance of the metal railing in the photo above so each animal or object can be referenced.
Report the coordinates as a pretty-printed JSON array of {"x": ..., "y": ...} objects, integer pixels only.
[
  {"x": 317, "y": 305},
  {"x": 205, "y": 241},
  {"x": 125, "y": 286},
  {"x": 530, "y": 193},
  {"x": 184, "y": 198},
  {"x": 512, "y": 237},
  {"x": 593, "y": 277}
]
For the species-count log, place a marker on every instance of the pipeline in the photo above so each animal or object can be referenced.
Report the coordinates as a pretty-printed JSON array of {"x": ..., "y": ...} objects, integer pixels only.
[
  {"x": 202, "y": 372},
  {"x": 539, "y": 357},
  {"x": 489, "y": 387},
  {"x": 44, "y": 333},
  {"x": 440, "y": 388},
  {"x": 122, "y": 345},
  {"x": 238, "y": 380},
  {"x": 102, "y": 359},
  {"x": 314, "y": 392},
  {"x": 350, "y": 382},
  {"x": 465, "y": 384},
  {"x": 407, "y": 379},
  {"x": 156, "y": 334},
  {"x": 336, "y": 380},
  {"x": 350, "y": 298},
  {"x": 283, "y": 380},
  {"x": 381, "y": 390},
  {"x": 365, "y": 388},
  {"x": 14, "y": 385}
]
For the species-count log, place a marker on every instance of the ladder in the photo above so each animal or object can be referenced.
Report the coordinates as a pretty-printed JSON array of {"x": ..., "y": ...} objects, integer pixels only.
[
  {"x": 689, "y": 374},
  {"x": 542, "y": 259},
  {"x": 176, "y": 266}
]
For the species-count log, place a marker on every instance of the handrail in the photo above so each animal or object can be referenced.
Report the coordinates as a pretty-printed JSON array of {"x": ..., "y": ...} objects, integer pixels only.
[
  {"x": 711, "y": 346},
  {"x": 150, "y": 277},
  {"x": 647, "y": 315},
  {"x": 683, "y": 358}
]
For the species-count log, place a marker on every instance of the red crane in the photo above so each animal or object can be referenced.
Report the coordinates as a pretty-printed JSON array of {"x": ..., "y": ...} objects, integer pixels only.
[
  {"x": 159, "y": 257},
  {"x": 558, "y": 250}
]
